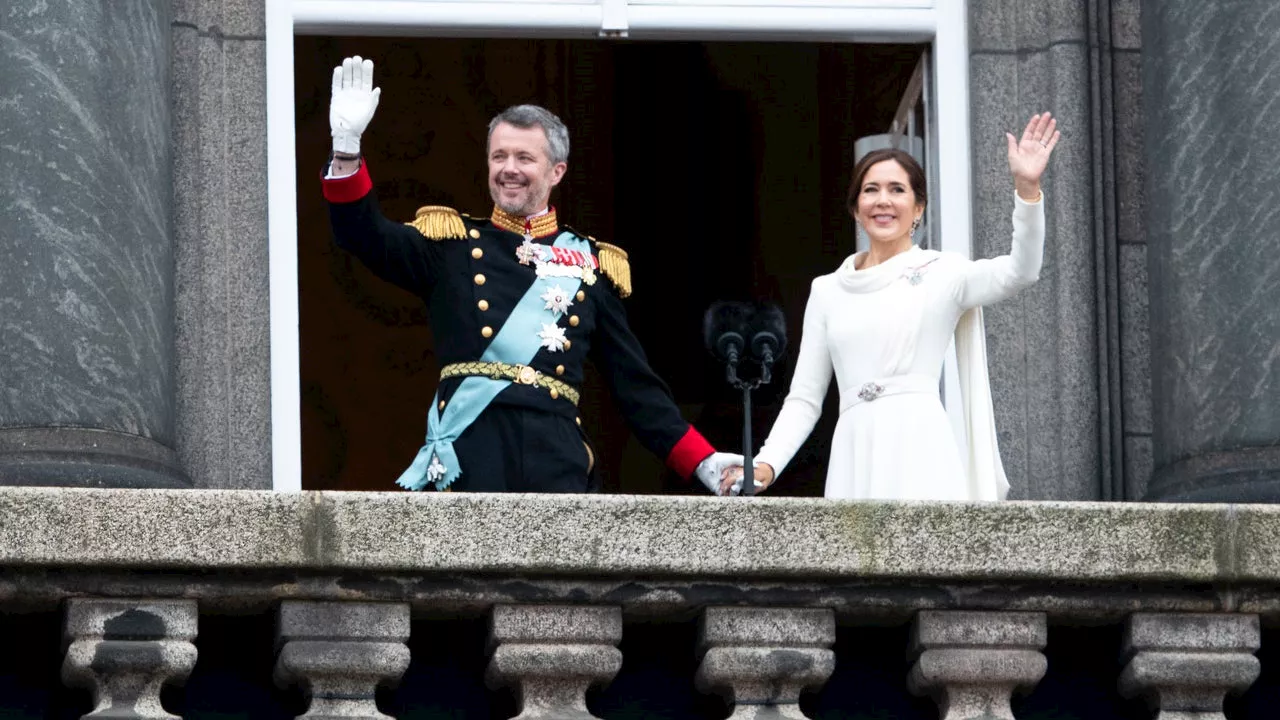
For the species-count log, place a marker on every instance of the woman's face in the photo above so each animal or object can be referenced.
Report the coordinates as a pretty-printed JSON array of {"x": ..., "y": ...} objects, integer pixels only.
[{"x": 886, "y": 203}]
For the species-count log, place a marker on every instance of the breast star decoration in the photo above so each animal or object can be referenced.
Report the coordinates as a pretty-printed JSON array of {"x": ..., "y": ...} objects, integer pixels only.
[
  {"x": 553, "y": 338},
  {"x": 557, "y": 300}
]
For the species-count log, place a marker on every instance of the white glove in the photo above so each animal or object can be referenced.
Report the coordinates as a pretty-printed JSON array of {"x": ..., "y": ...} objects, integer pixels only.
[
  {"x": 352, "y": 105},
  {"x": 708, "y": 471}
]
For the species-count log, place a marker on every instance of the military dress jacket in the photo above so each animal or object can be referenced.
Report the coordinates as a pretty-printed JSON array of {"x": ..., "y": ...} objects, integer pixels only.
[{"x": 468, "y": 272}]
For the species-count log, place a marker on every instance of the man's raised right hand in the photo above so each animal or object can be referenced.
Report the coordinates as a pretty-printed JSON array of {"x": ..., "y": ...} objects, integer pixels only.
[{"x": 353, "y": 103}]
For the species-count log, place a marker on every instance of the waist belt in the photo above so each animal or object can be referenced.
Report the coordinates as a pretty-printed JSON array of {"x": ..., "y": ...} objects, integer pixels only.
[
  {"x": 519, "y": 374},
  {"x": 885, "y": 387}
]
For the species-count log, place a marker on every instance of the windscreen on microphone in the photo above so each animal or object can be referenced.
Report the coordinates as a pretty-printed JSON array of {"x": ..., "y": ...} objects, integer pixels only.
[
  {"x": 725, "y": 327},
  {"x": 768, "y": 332}
]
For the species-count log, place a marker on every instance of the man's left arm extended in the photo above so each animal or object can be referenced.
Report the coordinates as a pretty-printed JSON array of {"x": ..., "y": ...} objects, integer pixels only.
[{"x": 646, "y": 401}]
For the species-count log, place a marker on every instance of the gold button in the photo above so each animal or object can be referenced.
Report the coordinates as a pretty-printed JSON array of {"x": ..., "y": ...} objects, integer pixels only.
[
  {"x": 567, "y": 344},
  {"x": 483, "y": 305},
  {"x": 559, "y": 369},
  {"x": 486, "y": 331},
  {"x": 578, "y": 420},
  {"x": 441, "y": 404},
  {"x": 479, "y": 278},
  {"x": 555, "y": 394},
  {"x": 581, "y": 296},
  {"x": 476, "y": 253},
  {"x": 475, "y": 234},
  {"x": 573, "y": 320}
]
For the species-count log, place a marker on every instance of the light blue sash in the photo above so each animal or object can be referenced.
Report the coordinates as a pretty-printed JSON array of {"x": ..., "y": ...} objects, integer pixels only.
[{"x": 516, "y": 343}]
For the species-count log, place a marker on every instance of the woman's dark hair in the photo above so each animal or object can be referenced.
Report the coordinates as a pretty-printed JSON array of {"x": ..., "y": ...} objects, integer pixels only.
[{"x": 915, "y": 174}]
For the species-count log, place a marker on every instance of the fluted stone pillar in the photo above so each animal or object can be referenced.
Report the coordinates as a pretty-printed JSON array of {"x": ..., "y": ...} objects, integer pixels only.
[
  {"x": 972, "y": 662},
  {"x": 86, "y": 282},
  {"x": 552, "y": 654},
  {"x": 125, "y": 651},
  {"x": 1210, "y": 76},
  {"x": 340, "y": 652},
  {"x": 1185, "y": 664},
  {"x": 761, "y": 659}
]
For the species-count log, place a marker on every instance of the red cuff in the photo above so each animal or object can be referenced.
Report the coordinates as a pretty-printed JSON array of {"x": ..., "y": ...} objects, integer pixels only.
[
  {"x": 691, "y": 450},
  {"x": 348, "y": 189}
]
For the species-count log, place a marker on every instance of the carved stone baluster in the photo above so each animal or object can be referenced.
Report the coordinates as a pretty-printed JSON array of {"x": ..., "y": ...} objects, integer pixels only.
[
  {"x": 124, "y": 651},
  {"x": 971, "y": 662},
  {"x": 761, "y": 659},
  {"x": 340, "y": 652},
  {"x": 1186, "y": 663},
  {"x": 552, "y": 654}
]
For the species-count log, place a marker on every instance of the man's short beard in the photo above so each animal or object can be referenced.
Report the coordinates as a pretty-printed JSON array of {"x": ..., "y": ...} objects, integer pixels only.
[{"x": 522, "y": 210}]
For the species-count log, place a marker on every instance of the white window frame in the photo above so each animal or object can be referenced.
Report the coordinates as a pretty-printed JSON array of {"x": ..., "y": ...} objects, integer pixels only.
[{"x": 943, "y": 23}]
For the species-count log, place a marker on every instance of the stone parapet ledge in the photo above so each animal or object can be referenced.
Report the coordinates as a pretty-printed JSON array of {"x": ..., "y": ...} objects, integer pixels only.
[{"x": 623, "y": 550}]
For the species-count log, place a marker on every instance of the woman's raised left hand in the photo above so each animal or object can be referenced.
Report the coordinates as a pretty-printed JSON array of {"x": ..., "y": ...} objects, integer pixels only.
[{"x": 1029, "y": 156}]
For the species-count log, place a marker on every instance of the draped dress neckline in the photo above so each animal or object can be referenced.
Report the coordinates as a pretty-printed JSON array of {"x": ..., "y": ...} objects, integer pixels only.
[{"x": 879, "y": 276}]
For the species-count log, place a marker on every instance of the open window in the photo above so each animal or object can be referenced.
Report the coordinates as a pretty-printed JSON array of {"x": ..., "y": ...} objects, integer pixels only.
[{"x": 713, "y": 142}]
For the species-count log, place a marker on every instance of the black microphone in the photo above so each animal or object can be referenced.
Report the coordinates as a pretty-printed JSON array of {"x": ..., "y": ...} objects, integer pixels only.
[
  {"x": 725, "y": 327},
  {"x": 768, "y": 337}
]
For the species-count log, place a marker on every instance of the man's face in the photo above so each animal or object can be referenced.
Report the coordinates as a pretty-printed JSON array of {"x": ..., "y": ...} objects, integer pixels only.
[{"x": 520, "y": 171}]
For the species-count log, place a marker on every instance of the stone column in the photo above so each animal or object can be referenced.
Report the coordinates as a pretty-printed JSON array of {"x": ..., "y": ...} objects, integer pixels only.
[
  {"x": 552, "y": 654},
  {"x": 86, "y": 282},
  {"x": 1213, "y": 183},
  {"x": 1185, "y": 664},
  {"x": 971, "y": 662},
  {"x": 126, "y": 650},
  {"x": 340, "y": 652},
  {"x": 761, "y": 659}
]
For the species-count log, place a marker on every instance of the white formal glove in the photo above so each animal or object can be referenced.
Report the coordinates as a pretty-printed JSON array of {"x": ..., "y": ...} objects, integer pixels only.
[
  {"x": 352, "y": 104},
  {"x": 708, "y": 471}
]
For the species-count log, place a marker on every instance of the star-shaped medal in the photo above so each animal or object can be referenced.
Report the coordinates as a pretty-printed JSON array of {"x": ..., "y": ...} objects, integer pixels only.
[
  {"x": 557, "y": 300},
  {"x": 553, "y": 338}
]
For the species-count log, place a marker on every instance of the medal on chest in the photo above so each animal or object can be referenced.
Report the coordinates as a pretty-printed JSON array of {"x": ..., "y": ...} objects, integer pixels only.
[{"x": 551, "y": 261}]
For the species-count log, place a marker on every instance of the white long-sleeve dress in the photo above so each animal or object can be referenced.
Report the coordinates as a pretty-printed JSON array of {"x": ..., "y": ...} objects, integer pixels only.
[{"x": 883, "y": 332}]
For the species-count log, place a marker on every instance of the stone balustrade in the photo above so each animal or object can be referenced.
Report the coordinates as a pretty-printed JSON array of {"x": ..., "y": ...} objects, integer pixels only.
[{"x": 570, "y": 586}]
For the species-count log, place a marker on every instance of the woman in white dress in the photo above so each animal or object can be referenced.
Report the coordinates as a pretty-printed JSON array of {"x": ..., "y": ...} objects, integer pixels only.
[{"x": 882, "y": 323}]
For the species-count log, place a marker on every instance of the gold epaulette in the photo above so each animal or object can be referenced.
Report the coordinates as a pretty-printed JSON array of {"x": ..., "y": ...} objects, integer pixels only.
[
  {"x": 437, "y": 222},
  {"x": 615, "y": 266}
]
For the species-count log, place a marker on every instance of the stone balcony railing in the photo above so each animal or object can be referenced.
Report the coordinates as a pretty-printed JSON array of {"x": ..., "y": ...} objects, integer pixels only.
[{"x": 561, "y": 581}]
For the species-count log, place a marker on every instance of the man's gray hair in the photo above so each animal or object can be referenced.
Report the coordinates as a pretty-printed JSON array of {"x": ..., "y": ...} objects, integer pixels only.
[{"x": 528, "y": 116}]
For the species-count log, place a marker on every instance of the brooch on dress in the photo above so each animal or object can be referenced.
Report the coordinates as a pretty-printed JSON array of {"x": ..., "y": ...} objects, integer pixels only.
[{"x": 915, "y": 275}]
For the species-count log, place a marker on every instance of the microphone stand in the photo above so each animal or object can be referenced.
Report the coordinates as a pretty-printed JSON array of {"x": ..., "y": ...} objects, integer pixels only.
[{"x": 746, "y": 386}]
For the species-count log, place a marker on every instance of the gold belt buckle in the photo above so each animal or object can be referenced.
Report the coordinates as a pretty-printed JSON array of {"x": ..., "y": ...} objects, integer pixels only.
[{"x": 526, "y": 375}]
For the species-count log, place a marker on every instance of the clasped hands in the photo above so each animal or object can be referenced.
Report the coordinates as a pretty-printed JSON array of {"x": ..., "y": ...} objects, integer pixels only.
[{"x": 722, "y": 474}]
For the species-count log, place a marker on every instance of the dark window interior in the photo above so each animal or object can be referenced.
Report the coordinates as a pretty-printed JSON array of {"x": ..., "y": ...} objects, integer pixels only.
[{"x": 720, "y": 167}]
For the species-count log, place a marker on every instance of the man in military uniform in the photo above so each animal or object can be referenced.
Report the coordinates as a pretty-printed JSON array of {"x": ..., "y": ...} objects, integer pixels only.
[{"x": 517, "y": 303}]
